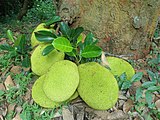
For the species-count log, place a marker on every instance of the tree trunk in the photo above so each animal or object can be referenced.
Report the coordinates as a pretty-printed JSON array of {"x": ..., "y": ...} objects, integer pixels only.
[
  {"x": 24, "y": 9},
  {"x": 122, "y": 26}
]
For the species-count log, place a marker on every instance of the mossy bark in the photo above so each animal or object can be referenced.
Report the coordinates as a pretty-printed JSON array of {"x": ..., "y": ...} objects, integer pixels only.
[{"x": 122, "y": 26}]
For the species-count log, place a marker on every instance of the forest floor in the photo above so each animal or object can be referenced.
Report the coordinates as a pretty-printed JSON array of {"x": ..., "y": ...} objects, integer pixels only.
[{"x": 141, "y": 101}]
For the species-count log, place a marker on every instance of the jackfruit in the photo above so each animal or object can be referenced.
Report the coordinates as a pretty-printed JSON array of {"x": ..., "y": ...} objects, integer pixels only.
[
  {"x": 119, "y": 66},
  {"x": 40, "y": 64},
  {"x": 97, "y": 87},
  {"x": 40, "y": 97},
  {"x": 62, "y": 81},
  {"x": 34, "y": 41}
]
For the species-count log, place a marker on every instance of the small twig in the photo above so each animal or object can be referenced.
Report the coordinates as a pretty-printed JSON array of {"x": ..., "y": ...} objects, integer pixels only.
[{"x": 119, "y": 56}]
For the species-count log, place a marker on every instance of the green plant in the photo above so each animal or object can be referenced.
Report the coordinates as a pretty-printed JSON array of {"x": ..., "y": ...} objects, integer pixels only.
[
  {"x": 69, "y": 41},
  {"x": 18, "y": 48},
  {"x": 145, "y": 93},
  {"x": 150, "y": 87},
  {"x": 15, "y": 94},
  {"x": 34, "y": 111},
  {"x": 40, "y": 11},
  {"x": 124, "y": 83}
]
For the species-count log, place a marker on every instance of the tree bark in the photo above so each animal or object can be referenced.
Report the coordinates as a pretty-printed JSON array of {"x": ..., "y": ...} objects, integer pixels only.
[
  {"x": 24, "y": 9},
  {"x": 122, "y": 26}
]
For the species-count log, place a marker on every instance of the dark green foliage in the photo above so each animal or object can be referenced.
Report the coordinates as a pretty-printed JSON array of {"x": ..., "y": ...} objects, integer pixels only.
[
  {"x": 47, "y": 50},
  {"x": 69, "y": 40},
  {"x": 19, "y": 49},
  {"x": 8, "y": 7},
  {"x": 40, "y": 11},
  {"x": 124, "y": 84},
  {"x": 45, "y": 36}
]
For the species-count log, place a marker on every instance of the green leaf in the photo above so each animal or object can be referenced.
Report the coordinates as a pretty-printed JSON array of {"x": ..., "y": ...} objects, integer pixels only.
[
  {"x": 7, "y": 47},
  {"x": 158, "y": 57},
  {"x": 138, "y": 76},
  {"x": 95, "y": 41},
  {"x": 148, "y": 97},
  {"x": 73, "y": 53},
  {"x": 154, "y": 88},
  {"x": 47, "y": 50},
  {"x": 91, "y": 51},
  {"x": 53, "y": 20},
  {"x": 10, "y": 35},
  {"x": 139, "y": 92},
  {"x": 148, "y": 84},
  {"x": 45, "y": 36},
  {"x": 22, "y": 44},
  {"x": 77, "y": 32},
  {"x": 127, "y": 84},
  {"x": 26, "y": 115},
  {"x": 66, "y": 31},
  {"x": 1, "y": 92},
  {"x": 62, "y": 44},
  {"x": 123, "y": 77},
  {"x": 17, "y": 41},
  {"x": 151, "y": 76},
  {"x": 26, "y": 62},
  {"x": 80, "y": 38},
  {"x": 89, "y": 39}
]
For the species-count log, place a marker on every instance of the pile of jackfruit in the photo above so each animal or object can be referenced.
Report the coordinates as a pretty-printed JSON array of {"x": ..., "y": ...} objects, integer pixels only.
[{"x": 61, "y": 80}]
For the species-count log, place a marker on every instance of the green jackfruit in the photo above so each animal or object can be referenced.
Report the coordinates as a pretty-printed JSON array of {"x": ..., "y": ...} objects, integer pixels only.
[
  {"x": 40, "y": 64},
  {"x": 62, "y": 81},
  {"x": 119, "y": 66},
  {"x": 97, "y": 87},
  {"x": 74, "y": 96},
  {"x": 39, "y": 96},
  {"x": 34, "y": 41}
]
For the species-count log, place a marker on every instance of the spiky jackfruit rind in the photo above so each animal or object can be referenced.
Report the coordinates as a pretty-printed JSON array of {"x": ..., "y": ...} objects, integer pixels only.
[
  {"x": 39, "y": 96},
  {"x": 119, "y": 66},
  {"x": 61, "y": 81},
  {"x": 40, "y": 64},
  {"x": 34, "y": 41},
  {"x": 97, "y": 87}
]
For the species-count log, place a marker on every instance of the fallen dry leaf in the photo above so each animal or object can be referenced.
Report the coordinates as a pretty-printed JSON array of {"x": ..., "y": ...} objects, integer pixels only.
[
  {"x": 121, "y": 96},
  {"x": 128, "y": 105},
  {"x": 1, "y": 117},
  {"x": 27, "y": 95},
  {"x": 11, "y": 107},
  {"x": 141, "y": 70},
  {"x": 134, "y": 87},
  {"x": 3, "y": 110},
  {"x": 121, "y": 103},
  {"x": 157, "y": 103},
  {"x": 101, "y": 114},
  {"x": 117, "y": 115},
  {"x": 57, "y": 115},
  {"x": 26, "y": 69},
  {"x": 67, "y": 115},
  {"x": 2, "y": 87},
  {"x": 18, "y": 109},
  {"x": 80, "y": 116},
  {"x": 17, "y": 117},
  {"x": 3, "y": 40},
  {"x": 103, "y": 59},
  {"x": 16, "y": 69},
  {"x": 4, "y": 73},
  {"x": 8, "y": 82},
  {"x": 96, "y": 118}
]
